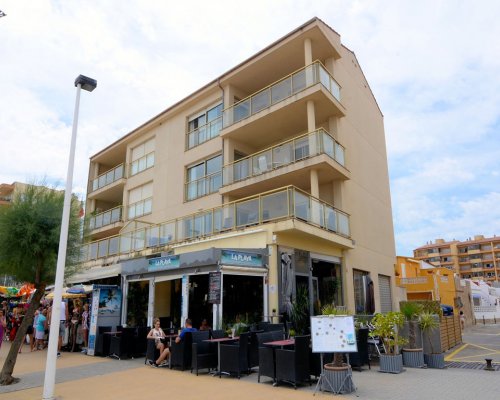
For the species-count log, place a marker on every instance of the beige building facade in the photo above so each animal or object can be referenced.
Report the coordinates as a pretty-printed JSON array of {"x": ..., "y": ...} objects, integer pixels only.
[
  {"x": 269, "y": 180},
  {"x": 477, "y": 258}
]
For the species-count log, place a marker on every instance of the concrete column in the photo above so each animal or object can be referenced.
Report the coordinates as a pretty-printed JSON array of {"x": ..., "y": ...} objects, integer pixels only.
[
  {"x": 124, "y": 300},
  {"x": 330, "y": 65},
  {"x": 333, "y": 127},
  {"x": 272, "y": 281},
  {"x": 314, "y": 183},
  {"x": 308, "y": 51},
  {"x": 151, "y": 302},
  {"x": 311, "y": 116},
  {"x": 338, "y": 195}
]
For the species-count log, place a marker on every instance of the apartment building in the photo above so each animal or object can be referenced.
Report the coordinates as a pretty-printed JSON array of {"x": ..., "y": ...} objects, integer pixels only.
[
  {"x": 8, "y": 191},
  {"x": 477, "y": 258},
  {"x": 424, "y": 281},
  {"x": 268, "y": 180}
]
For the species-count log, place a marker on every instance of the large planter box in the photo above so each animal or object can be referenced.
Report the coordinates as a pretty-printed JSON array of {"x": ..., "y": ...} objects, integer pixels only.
[
  {"x": 337, "y": 379},
  {"x": 435, "y": 360},
  {"x": 391, "y": 364},
  {"x": 413, "y": 358}
]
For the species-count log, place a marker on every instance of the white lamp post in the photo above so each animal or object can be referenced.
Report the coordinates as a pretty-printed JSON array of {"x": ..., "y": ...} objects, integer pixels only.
[{"x": 82, "y": 82}]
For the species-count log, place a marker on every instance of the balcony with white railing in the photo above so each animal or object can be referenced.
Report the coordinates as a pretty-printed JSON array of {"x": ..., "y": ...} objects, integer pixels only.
[
  {"x": 105, "y": 221},
  {"x": 108, "y": 186},
  {"x": 312, "y": 82},
  {"x": 284, "y": 204},
  {"x": 291, "y": 154}
]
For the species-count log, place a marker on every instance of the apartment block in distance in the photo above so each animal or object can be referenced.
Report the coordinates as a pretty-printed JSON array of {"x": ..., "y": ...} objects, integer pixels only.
[
  {"x": 269, "y": 182},
  {"x": 477, "y": 258}
]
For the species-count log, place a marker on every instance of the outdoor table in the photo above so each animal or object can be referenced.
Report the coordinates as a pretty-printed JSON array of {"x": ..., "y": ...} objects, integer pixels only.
[
  {"x": 281, "y": 343},
  {"x": 219, "y": 341}
]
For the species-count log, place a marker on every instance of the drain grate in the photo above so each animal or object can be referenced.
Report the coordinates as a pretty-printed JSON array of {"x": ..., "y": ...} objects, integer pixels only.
[{"x": 470, "y": 365}]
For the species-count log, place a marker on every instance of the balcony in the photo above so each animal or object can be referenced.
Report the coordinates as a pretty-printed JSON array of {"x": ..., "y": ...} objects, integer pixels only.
[
  {"x": 286, "y": 163},
  {"x": 105, "y": 222},
  {"x": 281, "y": 105},
  {"x": 284, "y": 204},
  {"x": 109, "y": 185}
]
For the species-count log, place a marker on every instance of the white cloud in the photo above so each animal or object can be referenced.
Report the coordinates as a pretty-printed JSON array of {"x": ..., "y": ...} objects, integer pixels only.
[{"x": 433, "y": 67}]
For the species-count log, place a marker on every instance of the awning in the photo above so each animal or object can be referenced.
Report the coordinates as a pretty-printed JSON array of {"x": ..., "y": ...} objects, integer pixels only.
[
  {"x": 93, "y": 274},
  {"x": 256, "y": 271}
]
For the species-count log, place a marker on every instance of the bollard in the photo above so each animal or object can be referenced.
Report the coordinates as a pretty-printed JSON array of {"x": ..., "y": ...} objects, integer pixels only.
[
  {"x": 489, "y": 367},
  {"x": 484, "y": 322},
  {"x": 495, "y": 318}
]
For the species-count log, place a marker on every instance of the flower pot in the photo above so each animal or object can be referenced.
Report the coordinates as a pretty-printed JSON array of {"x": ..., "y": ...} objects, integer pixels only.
[
  {"x": 434, "y": 360},
  {"x": 392, "y": 364},
  {"x": 337, "y": 379},
  {"x": 413, "y": 358}
]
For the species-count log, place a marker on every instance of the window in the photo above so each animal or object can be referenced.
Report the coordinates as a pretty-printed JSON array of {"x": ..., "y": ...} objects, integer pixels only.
[
  {"x": 204, "y": 178},
  {"x": 143, "y": 157},
  {"x": 204, "y": 126},
  {"x": 364, "y": 301},
  {"x": 140, "y": 201}
]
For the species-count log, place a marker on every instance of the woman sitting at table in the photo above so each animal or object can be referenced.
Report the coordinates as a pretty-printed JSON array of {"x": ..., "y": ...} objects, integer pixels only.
[{"x": 159, "y": 336}]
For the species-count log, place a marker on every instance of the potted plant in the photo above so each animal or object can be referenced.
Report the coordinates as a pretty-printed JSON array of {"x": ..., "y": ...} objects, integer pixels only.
[
  {"x": 386, "y": 327},
  {"x": 428, "y": 323},
  {"x": 412, "y": 356},
  {"x": 337, "y": 372}
]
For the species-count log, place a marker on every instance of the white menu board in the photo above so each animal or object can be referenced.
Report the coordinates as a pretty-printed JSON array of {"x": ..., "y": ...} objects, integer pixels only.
[{"x": 333, "y": 334}]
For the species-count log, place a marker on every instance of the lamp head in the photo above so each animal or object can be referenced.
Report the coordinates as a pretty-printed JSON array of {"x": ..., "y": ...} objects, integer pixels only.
[{"x": 86, "y": 83}]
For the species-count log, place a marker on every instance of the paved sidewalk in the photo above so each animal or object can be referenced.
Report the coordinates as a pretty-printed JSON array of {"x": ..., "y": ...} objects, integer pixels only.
[{"x": 81, "y": 377}]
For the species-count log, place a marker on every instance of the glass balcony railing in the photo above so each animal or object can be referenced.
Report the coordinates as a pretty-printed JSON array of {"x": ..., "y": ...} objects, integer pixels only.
[
  {"x": 279, "y": 204},
  {"x": 204, "y": 133},
  {"x": 280, "y": 90},
  {"x": 105, "y": 218},
  {"x": 108, "y": 178},
  {"x": 286, "y": 153}
]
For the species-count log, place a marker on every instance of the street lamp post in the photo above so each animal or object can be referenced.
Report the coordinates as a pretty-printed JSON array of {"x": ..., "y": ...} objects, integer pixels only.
[{"x": 85, "y": 83}]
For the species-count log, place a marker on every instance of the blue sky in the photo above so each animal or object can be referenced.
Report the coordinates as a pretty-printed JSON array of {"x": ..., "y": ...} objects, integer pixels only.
[{"x": 432, "y": 65}]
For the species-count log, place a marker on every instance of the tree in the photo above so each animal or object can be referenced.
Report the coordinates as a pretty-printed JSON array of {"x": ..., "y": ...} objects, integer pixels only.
[{"x": 29, "y": 241}]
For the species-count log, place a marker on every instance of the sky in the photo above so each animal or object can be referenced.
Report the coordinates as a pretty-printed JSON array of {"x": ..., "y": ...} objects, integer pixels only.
[{"x": 433, "y": 67}]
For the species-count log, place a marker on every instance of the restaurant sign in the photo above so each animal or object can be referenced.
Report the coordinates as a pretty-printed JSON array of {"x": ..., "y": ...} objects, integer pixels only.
[
  {"x": 229, "y": 257},
  {"x": 162, "y": 263}
]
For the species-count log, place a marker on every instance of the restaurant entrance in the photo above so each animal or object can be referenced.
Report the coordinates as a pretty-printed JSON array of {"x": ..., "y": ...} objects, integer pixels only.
[
  {"x": 167, "y": 303},
  {"x": 199, "y": 307},
  {"x": 243, "y": 297}
]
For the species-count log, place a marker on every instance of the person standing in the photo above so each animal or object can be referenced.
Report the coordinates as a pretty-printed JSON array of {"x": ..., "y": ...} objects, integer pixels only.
[
  {"x": 3, "y": 325},
  {"x": 41, "y": 326},
  {"x": 85, "y": 327},
  {"x": 63, "y": 323}
]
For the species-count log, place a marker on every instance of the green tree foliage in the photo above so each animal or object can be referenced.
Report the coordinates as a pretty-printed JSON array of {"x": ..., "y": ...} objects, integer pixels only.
[{"x": 29, "y": 242}]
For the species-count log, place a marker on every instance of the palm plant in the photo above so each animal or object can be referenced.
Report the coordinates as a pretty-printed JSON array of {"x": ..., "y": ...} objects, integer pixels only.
[
  {"x": 411, "y": 311},
  {"x": 428, "y": 323}
]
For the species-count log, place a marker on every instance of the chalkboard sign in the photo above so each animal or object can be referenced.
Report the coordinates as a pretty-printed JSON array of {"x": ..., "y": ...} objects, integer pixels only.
[
  {"x": 214, "y": 287},
  {"x": 333, "y": 334}
]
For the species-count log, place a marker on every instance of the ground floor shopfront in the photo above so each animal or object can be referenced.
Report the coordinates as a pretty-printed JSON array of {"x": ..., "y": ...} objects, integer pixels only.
[{"x": 254, "y": 274}]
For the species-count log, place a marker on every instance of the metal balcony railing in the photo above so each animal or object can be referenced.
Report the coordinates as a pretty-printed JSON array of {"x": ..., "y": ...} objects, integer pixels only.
[
  {"x": 107, "y": 178},
  {"x": 280, "y": 204},
  {"x": 285, "y": 153},
  {"x": 288, "y": 86}
]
